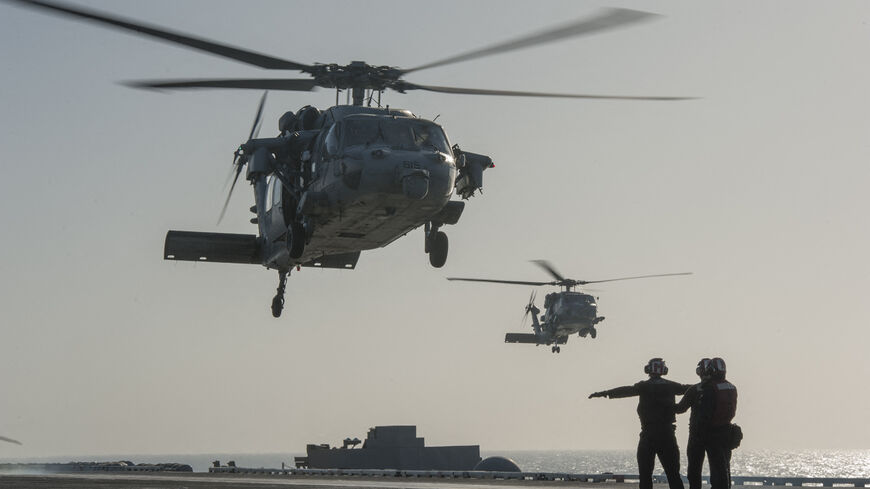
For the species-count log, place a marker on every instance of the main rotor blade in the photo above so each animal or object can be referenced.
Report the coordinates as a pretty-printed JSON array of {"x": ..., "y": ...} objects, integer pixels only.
[
  {"x": 243, "y": 55},
  {"x": 550, "y": 268},
  {"x": 298, "y": 84},
  {"x": 515, "y": 93},
  {"x": 583, "y": 282},
  {"x": 608, "y": 19},
  {"x": 10, "y": 440},
  {"x": 516, "y": 282}
]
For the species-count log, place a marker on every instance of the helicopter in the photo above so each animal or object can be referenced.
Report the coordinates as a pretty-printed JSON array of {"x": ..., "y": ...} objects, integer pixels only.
[
  {"x": 348, "y": 178},
  {"x": 565, "y": 313}
]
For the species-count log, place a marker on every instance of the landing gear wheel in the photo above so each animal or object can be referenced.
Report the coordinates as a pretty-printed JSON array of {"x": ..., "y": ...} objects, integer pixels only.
[
  {"x": 555, "y": 349},
  {"x": 277, "y": 306},
  {"x": 278, "y": 300},
  {"x": 295, "y": 239},
  {"x": 438, "y": 249},
  {"x": 593, "y": 333}
]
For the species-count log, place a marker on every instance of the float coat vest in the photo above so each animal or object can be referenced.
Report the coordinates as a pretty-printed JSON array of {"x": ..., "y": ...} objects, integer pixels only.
[{"x": 725, "y": 405}]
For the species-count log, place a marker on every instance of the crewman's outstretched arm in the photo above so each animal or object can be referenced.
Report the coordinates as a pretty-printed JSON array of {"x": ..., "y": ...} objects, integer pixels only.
[{"x": 616, "y": 392}]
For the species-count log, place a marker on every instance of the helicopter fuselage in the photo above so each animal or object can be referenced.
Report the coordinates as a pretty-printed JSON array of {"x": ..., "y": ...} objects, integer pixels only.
[
  {"x": 567, "y": 313},
  {"x": 373, "y": 179}
]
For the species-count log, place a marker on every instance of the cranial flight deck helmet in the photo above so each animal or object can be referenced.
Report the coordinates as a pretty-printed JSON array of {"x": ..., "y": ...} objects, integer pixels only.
[
  {"x": 701, "y": 369},
  {"x": 716, "y": 368},
  {"x": 656, "y": 366}
]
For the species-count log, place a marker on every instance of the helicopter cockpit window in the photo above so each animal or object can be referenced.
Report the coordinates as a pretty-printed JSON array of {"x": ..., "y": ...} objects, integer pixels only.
[
  {"x": 273, "y": 195},
  {"x": 579, "y": 299},
  {"x": 332, "y": 139},
  {"x": 429, "y": 136},
  {"x": 269, "y": 189},
  {"x": 400, "y": 134}
]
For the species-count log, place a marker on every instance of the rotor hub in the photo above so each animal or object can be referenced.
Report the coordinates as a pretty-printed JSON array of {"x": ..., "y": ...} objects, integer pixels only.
[{"x": 357, "y": 74}]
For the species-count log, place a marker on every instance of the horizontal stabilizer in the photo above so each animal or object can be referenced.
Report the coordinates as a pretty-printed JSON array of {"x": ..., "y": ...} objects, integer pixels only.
[
  {"x": 215, "y": 247},
  {"x": 533, "y": 339},
  {"x": 346, "y": 261},
  {"x": 522, "y": 338}
]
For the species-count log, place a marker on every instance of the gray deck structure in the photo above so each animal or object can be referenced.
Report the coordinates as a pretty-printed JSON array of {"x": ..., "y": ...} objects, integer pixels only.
[{"x": 391, "y": 447}]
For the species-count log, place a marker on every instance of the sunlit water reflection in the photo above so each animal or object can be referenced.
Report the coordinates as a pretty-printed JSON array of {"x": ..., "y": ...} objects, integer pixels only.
[{"x": 773, "y": 463}]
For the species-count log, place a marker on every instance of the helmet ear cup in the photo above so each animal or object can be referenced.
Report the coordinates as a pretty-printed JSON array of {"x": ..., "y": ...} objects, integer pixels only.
[{"x": 655, "y": 366}]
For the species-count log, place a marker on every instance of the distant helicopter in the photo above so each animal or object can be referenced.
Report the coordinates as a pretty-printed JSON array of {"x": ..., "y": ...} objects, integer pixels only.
[
  {"x": 349, "y": 178},
  {"x": 566, "y": 312}
]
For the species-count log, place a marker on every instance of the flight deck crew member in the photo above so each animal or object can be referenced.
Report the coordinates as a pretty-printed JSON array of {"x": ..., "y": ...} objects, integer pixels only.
[
  {"x": 694, "y": 448},
  {"x": 655, "y": 408},
  {"x": 716, "y": 407}
]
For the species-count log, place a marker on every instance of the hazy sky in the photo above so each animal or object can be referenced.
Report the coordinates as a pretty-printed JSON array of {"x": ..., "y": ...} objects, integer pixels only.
[{"x": 759, "y": 188}]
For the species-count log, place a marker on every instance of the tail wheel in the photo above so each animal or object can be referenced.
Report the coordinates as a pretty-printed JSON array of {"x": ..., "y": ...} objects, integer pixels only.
[
  {"x": 438, "y": 249},
  {"x": 277, "y": 306},
  {"x": 296, "y": 239}
]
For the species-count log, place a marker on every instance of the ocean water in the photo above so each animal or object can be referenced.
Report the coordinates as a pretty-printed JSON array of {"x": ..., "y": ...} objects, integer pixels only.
[{"x": 772, "y": 463}]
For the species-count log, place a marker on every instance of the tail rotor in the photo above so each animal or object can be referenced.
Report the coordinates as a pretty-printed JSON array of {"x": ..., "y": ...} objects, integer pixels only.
[
  {"x": 529, "y": 307},
  {"x": 239, "y": 157}
]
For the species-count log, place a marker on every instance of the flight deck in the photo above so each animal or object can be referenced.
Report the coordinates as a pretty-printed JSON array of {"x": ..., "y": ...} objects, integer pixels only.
[{"x": 280, "y": 478}]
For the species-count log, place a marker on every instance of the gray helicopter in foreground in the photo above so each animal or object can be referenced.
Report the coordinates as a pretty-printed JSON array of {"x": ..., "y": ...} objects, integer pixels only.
[
  {"x": 565, "y": 313},
  {"x": 349, "y": 178}
]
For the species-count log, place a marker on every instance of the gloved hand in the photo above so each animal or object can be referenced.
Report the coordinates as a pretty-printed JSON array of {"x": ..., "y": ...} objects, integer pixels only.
[{"x": 597, "y": 394}]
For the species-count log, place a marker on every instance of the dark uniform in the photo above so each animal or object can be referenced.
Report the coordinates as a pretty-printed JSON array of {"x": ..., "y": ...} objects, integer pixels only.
[
  {"x": 694, "y": 449},
  {"x": 656, "y": 411},
  {"x": 713, "y": 403}
]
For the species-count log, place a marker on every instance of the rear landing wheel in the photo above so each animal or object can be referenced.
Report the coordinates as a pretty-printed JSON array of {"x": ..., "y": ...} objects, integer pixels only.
[
  {"x": 438, "y": 249},
  {"x": 555, "y": 349},
  {"x": 278, "y": 300},
  {"x": 277, "y": 306}
]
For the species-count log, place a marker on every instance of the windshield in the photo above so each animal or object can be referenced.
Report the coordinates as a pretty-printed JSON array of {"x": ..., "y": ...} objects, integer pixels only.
[
  {"x": 411, "y": 135},
  {"x": 578, "y": 299}
]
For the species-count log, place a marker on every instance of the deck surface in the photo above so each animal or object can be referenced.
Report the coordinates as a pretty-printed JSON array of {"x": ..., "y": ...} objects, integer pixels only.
[{"x": 246, "y": 481}]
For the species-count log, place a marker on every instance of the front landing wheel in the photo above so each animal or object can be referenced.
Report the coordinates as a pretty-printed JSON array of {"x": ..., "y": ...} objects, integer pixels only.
[{"x": 438, "y": 245}]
